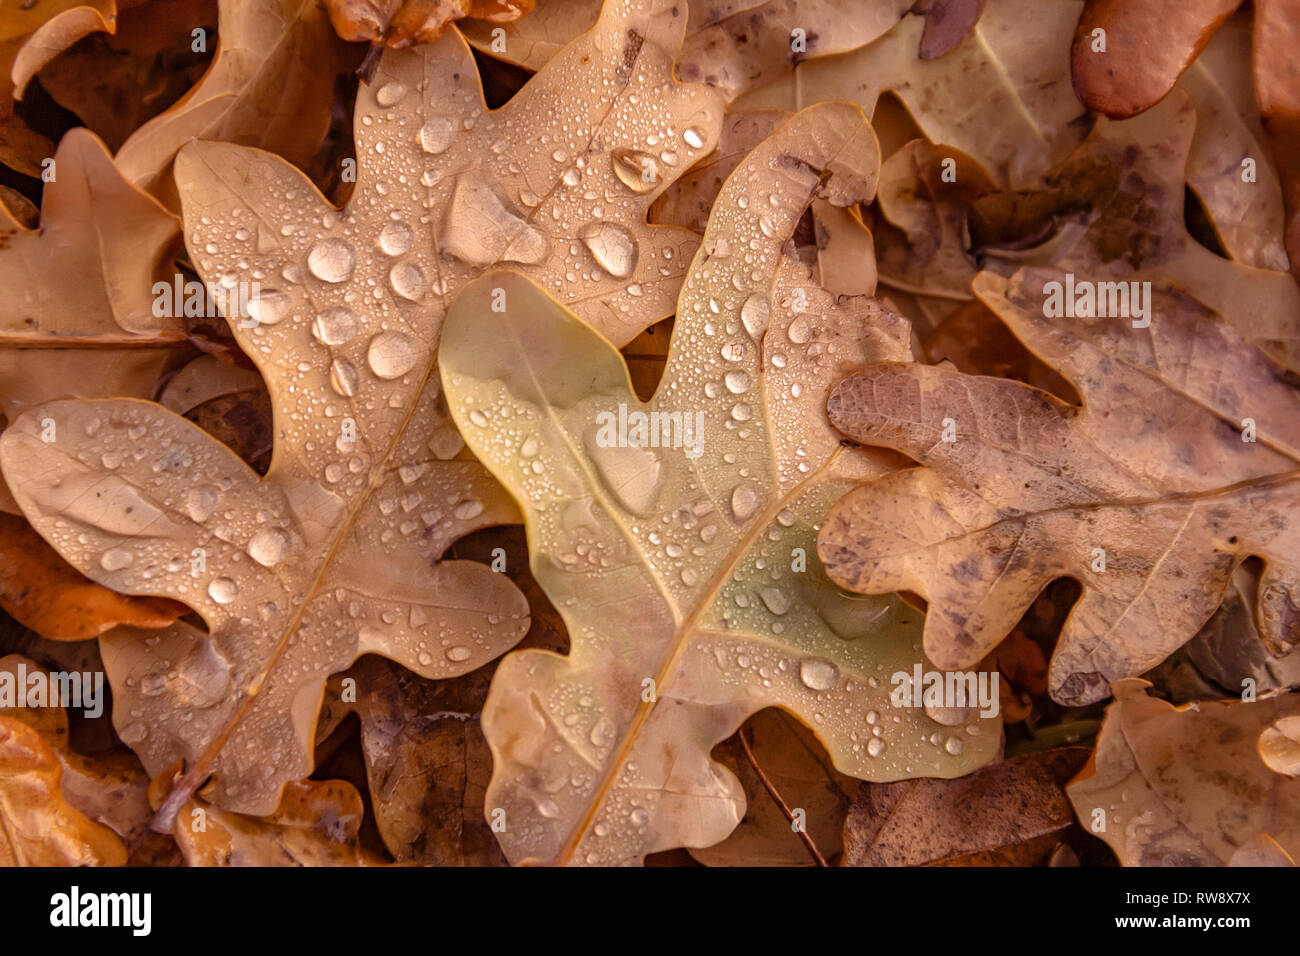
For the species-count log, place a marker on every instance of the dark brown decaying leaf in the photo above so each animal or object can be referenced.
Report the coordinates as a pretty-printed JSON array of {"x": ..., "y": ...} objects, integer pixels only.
[
  {"x": 1011, "y": 813},
  {"x": 1029, "y": 488},
  {"x": 400, "y": 23},
  {"x": 1185, "y": 786}
]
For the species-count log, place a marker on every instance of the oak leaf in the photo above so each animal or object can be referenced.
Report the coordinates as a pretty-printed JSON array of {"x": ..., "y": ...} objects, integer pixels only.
[
  {"x": 400, "y": 23},
  {"x": 678, "y": 570},
  {"x": 335, "y": 553},
  {"x": 1184, "y": 786},
  {"x": 1148, "y": 494}
]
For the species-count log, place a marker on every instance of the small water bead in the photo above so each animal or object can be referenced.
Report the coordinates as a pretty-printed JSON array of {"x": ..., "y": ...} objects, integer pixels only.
[
  {"x": 437, "y": 134},
  {"x": 332, "y": 260},
  {"x": 572, "y": 176},
  {"x": 115, "y": 559},
  {"x": 408, "y": 281},
  {"x": 268, "y": 547},
  {"x": 953, "y": 746},
  {"x": 459, "y": 653},
  {"x": 777, "y": 600},
  {"x": 392, "y": 354},
  {"x": 335, "y": 326},
  {"x": 343, "y": 377},
  {"x": 395, "y": 238},
  {"x": 390, "y": 93},
  {"x": 693, "y": 138},
  {"x": 223, "y": 590},
  {"x": 611, "y": 246},
  {"x": 468, "y": 509},
  {"x": 875, "y": 746},
  {"x": 800, "y": 330},
  {"x": 742, "y": 412},
  {"x": 640, "y": 817}
]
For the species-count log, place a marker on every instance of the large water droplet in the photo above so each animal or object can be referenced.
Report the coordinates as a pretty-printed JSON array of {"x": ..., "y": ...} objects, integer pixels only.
[
  {"x": 115, "y": 559},
  {"x": 437, "y": 134},
  {"x": 737, "y": 382},
  {"x": 479, "y": 228},
  {"x": 395, "y": 238},
  {"x": 201, "y": 501},
  {"x": 268, "y": 308},
  {"x": 390, "y": 93},
  {"x": 744, "y": 502},
  {"x": 631, "y": 474},
  {"x": 335, "y": 326},
  {"x": 223, "y": 590},
  {"x": 777, "y": 600},
  {"x": 754, "y": 314},
  {"x": 636, "y": 170},
  {"x": 343, "y": 377},
  {"x": 268, "y": 547},
  {"x": 408, "y": 281},
  {"x": 392, "y": 354},
  {"x": 611, "y": 246},
  {"x": 332, "y": 260},
  {"x": 818, "y": 673},
  {"x": 693, "y": 138}
]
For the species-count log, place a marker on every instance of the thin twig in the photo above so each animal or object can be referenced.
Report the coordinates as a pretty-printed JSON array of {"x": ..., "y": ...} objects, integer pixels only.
[{"x": 772, "y": 792}]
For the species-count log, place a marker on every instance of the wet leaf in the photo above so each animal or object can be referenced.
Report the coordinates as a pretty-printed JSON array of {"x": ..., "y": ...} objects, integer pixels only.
[
  {"x": 1279, "y": 746},
  {"x": 1011, "y": 813},
  {"x": 677, "y": 566},
  {"x": 336, "y": 552},
  {"x": 1160, "y": 808},
  {"x": 1152, "y": 470}
]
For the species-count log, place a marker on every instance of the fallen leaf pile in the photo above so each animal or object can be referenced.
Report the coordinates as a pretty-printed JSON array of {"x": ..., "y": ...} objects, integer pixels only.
[{"x": 724, "y": 433}]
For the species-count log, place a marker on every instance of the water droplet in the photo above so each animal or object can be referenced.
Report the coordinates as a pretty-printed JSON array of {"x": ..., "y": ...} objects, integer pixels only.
[
  {"x": 640, "y": 817},
  {"x": 737, "y": 382},
  {"x": 459, "y": 653},
  {"x": 390, "y": 93},
  {"x": 800, "y": 330},
  {"x": 636, "y": 170},
  {"x": 437, "y": 134},
  {"x": 268, "y": 547},
  {"x": 200, "y": 502},
  {"x": 777, "y": 600},
  {"x": 693, "y": 138},
  {"x": 744, "y": 502},
  {"x": 630, "y": 473},
  {"x": 223, "y": 590},
  {"x": 392, "y": 354},
  {"x": 335, "y": 326},
  {"x": 468, "y": 509},
  {"x": 953, "y": 746},
  {"x": 754, "y": 314},
  {"x": 268, "y": 308},
  {"x": 115, "y": 559},
  {"x": 875, "y": 746},
  {"x": 602, "y": 732},
  {"x": 395, "y": 238},
  {"x": 611, "y": 246},
  {"x": 343, "y": 377},
  {"x": 151, "y": 685},
  {"x": 408, "y": 281},
  {"x": 332, "y": 260},
  {"x": 818, "y": 673}
]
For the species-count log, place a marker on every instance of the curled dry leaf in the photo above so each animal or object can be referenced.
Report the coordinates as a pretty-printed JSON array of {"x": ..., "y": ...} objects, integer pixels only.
[
  {"x": 316, "y": 824},
  {"x": 1011, "y": 813},
  {"x": 270, "y": 85},
  {"x": 679, "y": 571},
  {"x": 31, "y": 34},
  {"x": 1147, "y": 494},
  {"x": 1002, "y": 95},
  {"x": 1276, "y": 36},
  {"x": 40, "y": 827},
  {"x": 335, "y": 553},
  {"x": 43, "y": 592},
  {"x": 110, "y": 787},
  {"x": 1229, "y": 650},
  {"x": 399, "y": 23},
  {"x": 1122, "y": 194},
  {"x": 1160, "y": 808}
]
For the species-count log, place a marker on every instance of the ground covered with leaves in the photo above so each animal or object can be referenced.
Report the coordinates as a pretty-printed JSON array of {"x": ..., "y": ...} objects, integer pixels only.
[{"x": 679, "y": 432}]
